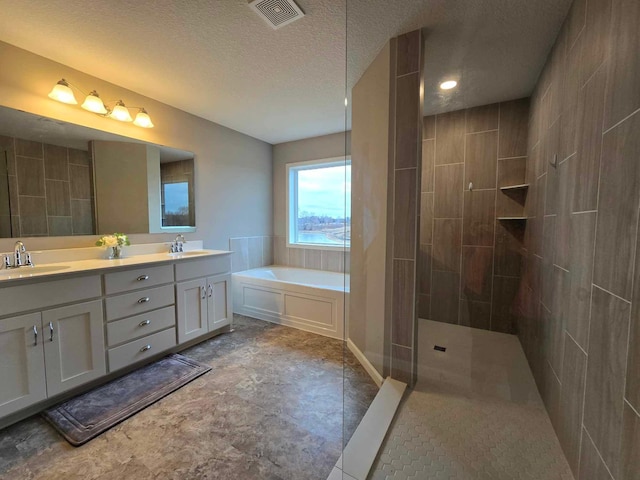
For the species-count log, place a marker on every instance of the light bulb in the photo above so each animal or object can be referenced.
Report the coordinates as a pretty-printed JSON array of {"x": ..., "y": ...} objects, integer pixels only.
[
  {"x": 63, "y": 93},
  {"x": 143, "y": 119},
  {"x": 94, "y": 104},
  {"x": 120, "y": 112},
  {"x": 448, "y": 85}
]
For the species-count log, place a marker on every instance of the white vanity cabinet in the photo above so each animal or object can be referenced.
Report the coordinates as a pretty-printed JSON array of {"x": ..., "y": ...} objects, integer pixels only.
[
  {"x": 73, "y": 338},
  {"x": 204, "y": 304},
  {"x": 22, "y": 376}
]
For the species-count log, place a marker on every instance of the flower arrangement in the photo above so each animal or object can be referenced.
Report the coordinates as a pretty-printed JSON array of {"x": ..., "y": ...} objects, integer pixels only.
[{"x": 115, "y": 242}]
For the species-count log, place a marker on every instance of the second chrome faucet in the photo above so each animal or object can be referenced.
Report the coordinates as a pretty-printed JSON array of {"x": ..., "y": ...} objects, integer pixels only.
[{"x": 21, "y": 258}]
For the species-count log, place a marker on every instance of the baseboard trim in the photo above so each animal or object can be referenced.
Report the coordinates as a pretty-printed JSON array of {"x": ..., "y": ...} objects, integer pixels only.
[{"x": 366, "y": 364}]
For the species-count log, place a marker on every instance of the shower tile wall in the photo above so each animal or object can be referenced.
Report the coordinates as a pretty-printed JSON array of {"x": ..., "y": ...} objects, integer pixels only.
[
  {"x": 469, "y": 261},
  {"x": 50, "y": 188},
  {"x": 580, "y": 298}
]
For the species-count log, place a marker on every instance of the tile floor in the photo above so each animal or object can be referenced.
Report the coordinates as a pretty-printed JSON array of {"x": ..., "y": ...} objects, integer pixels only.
[
  {"x": 271, "y": 408},
  {"x": 475, "y": 414}
]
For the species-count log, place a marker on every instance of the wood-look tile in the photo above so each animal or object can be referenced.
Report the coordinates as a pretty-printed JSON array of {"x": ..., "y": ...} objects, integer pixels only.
[
  {"x": 401, "y": 363},
  {"x": 597, "y": 36},
  {"x": 475, "y": 314},
  {"x": 82, "y": 213},
  {"x": 567, "y": 133},
  {"x": 576, "y": 20},
  {"x": 28, "y": 148},
  {"x": 80, "y": 182},
  {"x": 56, "y": 165},
  {"x": 514, "y": 124},
  {"x": 623, "y": 94},
  {"x": 408, "y": 53},
  {"x": 480, "y": 119},
  {"x": 559, "y": 312},
  {"x": 450, "y": 128},
  {"x": 550, "y": 392},
  {"x": 446, "y": 289},
  {"x": 333, "y": 261},
  {"x": 479, "y": 217},
  {"x": 429, "y": 127},
  {"x": 606, "y": 371},
  {"x": 481, "y": 160},
  {"x": 630, "y": 444},
  {"x": 563, "y": 222},
  {"x": 403, "y": 305},
  {"x": 79, "y": 157},
  {"x": 591, "y": 465},
  {"x": 632, "y": 392},
  {"x": 508, "y": 248},
  {"x": 296, "y": 257},
  {"x": 313, "y": 259},
  {"x": 60, "y": 226},
  {"x": 447, "y": 202},
  {"x": 548, "y": 239},
  {"x": 447, "y": 237},
  {"x": 405, "y": 214},
  {"x": 33, "y": 216},
  {"x": 428, "y": 164},
  {"x": 551, "y": 157},
  {"x": 30, "y": 176},
  {"x": 572, "y": 85},
  {"x": 618, "y": 201},
  {"x": 586, "y": 167},
  {"x": 424, "y": 270},
  {"x": 512, "y": 171},
  {"x": 426, "y": 218},
  {"x": 477, "y": 271},
  {"x": 503, "y": 316},
  {"x": 58, "y": 200},
  {"x": 6, "y": 145},
  {"x": 407, "y": 121},
  {"x": 424, "y": 306},
  {"x": 511, "y": 203},
  {"x": 280, "y": 252},
  {"x": 582, "y": 241},
  {"x": 571, "y": 401}
]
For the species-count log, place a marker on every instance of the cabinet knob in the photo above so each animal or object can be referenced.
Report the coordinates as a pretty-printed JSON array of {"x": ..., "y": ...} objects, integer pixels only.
[
  {"x": 145, "y": 323},
  {"x": 35, "y": 336},
  {"x": 210, "y": 290},
  {"x": 145, "y": 348},
  {"x": 51, "y": 331},
  {"x": 203, "y": 292},
  {"x": 142, "y": 278},
  {"x": 144, "y": 300}
]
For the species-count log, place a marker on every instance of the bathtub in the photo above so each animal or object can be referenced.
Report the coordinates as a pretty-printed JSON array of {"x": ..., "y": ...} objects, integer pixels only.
[{"x": 311, "y": 300}]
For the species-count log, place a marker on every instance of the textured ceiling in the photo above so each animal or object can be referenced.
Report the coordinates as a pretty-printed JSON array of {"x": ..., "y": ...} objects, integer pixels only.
[{"x": 218, "y": 60}]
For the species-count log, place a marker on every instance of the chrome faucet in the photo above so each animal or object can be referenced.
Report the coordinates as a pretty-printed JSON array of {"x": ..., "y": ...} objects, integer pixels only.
[
  {"x": 21, "y": 258},
  {"x": 177, "y": 245}
]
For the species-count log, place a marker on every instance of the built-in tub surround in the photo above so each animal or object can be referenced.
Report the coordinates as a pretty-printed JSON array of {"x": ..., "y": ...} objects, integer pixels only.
[
  {"x": 310, "y": 300},
  {"x": 77, "y": 319}
]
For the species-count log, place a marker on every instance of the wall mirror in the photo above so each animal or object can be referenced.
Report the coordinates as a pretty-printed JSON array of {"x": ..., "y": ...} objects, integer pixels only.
[{"x": 59, "y": 179}]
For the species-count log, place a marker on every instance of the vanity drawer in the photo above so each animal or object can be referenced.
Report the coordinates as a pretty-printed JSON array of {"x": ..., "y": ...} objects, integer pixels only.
[
  {"x": 202, "y": 267},
  {"x": 130, "y": 328},
  {"x": 140, "y": 349},
  {"x": 138, "y": 302},
  {"x": 126, "y": 281}
]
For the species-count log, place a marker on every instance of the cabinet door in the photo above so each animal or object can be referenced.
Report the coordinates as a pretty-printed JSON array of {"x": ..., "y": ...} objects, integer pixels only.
[
  {"x": 192, "y": 309},
  {"x": 219, "y": 301},
  {"x": 22, "y": 378},
  {"x": 73, "y": 346}
]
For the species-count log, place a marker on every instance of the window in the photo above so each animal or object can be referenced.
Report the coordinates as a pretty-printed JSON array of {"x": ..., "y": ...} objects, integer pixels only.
[
  {"x": 175, "y": 208},
  {"x": 319, "y": 203}
]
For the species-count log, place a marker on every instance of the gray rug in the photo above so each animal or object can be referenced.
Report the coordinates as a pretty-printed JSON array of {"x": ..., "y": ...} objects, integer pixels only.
[{"x": 88, "y": 415}]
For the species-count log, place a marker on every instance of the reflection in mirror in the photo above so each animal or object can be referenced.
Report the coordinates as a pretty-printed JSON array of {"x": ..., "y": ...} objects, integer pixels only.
[{"x": 59, "y": 179}]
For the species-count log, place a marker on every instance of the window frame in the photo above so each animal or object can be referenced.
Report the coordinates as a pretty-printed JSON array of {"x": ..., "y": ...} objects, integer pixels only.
[{"x": 291, "y": 194}]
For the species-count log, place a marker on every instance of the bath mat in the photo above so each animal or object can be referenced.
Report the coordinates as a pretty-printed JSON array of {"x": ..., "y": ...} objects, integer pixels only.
[{"x": 88, "y": 415}]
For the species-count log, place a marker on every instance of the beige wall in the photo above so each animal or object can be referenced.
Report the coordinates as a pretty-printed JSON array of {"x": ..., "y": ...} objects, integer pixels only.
[
  {"x": 369, "y": 164},
  {"x": 233, "y": 170}
]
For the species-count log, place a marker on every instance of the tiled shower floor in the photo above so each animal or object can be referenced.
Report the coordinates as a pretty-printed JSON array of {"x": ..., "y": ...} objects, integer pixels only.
[{"x": 475, "y": 414}]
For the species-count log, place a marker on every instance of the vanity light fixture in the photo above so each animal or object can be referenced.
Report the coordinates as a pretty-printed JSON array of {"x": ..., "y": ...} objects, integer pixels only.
[
  {"x": 448, "y": 85},
  {"x": 62, "y": 92}
]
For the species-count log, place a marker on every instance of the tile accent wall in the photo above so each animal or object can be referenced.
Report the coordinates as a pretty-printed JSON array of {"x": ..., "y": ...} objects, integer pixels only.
[
  {"x": 328, "y": 260},
  {"x": 50, "y": 187},
  {"x": 469, "y": 261},
  {"x": 579, "y": 303},
  {"x": 403, "y": 220}
]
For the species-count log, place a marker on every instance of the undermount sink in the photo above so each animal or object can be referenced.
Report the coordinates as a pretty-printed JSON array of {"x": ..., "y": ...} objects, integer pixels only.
[
  {"x": 191, "y": 253},
  {"x": 28, "y": 271}
]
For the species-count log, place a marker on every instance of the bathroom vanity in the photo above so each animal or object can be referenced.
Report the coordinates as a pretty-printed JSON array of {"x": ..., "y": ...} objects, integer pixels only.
[{"x": 66, "y": 326}]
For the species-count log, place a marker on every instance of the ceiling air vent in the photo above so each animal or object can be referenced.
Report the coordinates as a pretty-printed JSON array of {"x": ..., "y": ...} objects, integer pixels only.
[{"x": 277, "y": 13}]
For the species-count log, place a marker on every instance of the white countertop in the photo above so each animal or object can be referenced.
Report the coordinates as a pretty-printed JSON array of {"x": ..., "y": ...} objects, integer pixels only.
[{"x": 56, "y": 269}]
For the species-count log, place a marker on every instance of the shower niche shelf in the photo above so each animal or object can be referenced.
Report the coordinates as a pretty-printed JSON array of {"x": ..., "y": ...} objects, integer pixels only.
[
  {"x": 517, "y": 219},
  {"x": 522, "y": 186}
]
